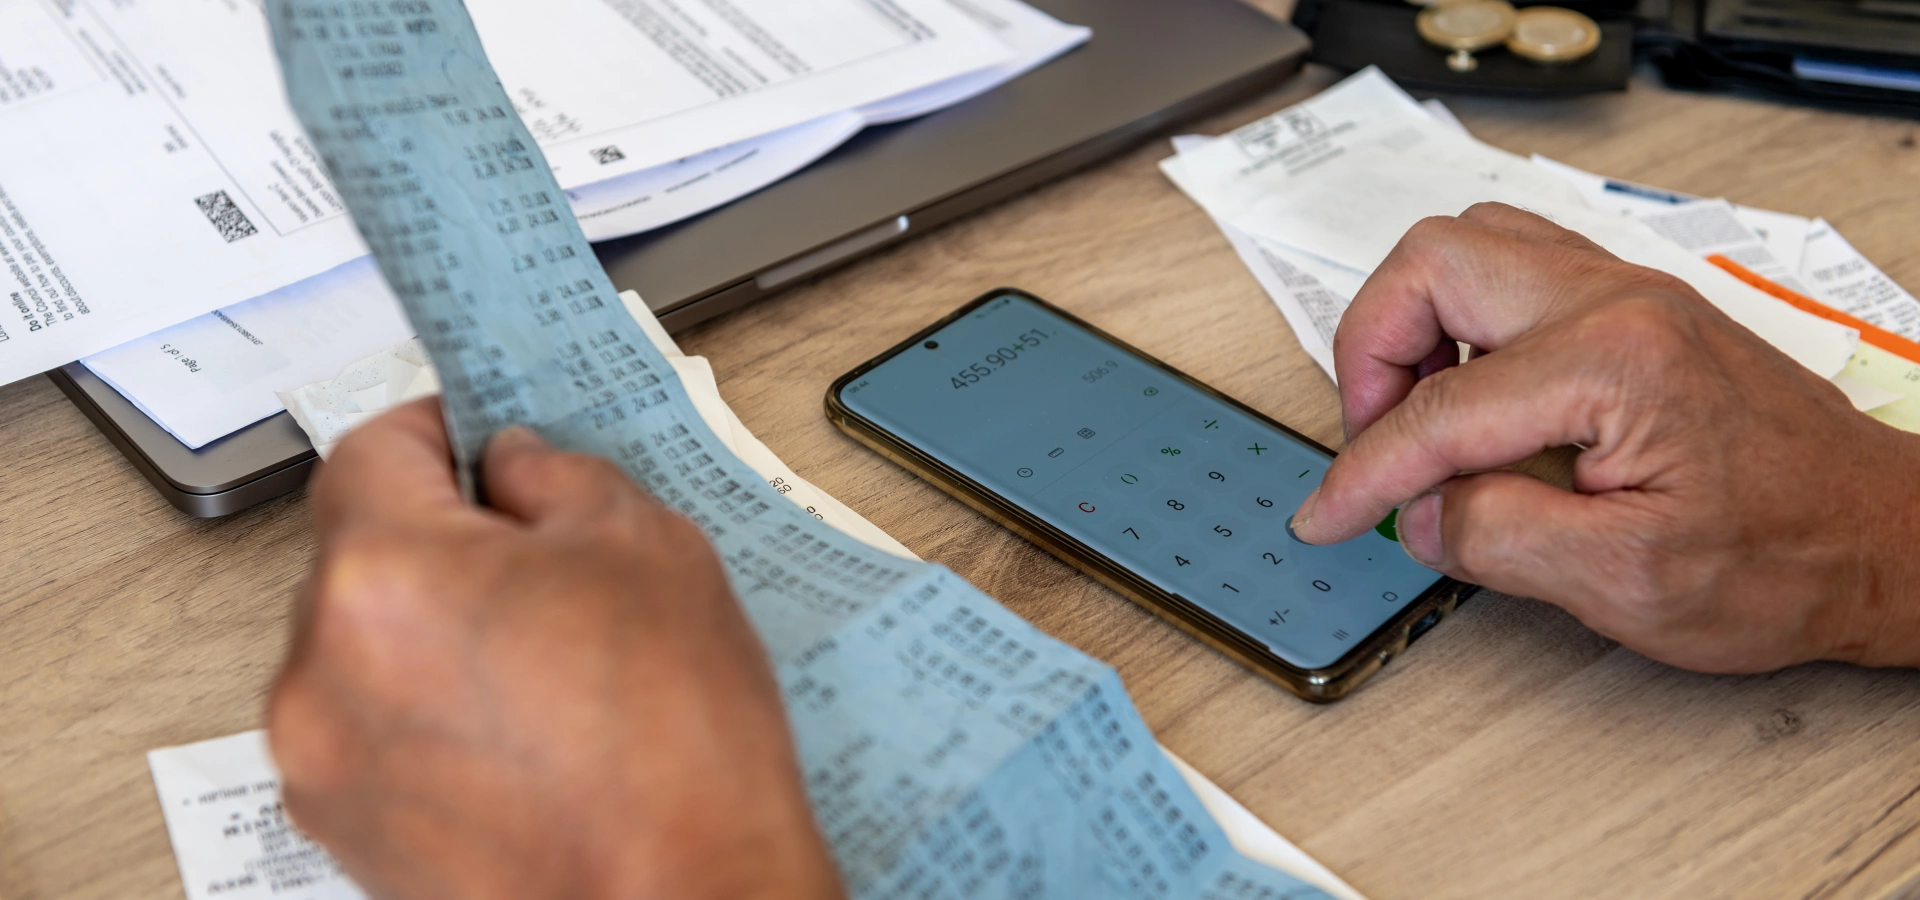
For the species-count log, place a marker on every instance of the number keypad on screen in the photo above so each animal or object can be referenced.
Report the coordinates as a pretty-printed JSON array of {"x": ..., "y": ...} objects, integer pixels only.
[{"x": 1205, "y": 514}]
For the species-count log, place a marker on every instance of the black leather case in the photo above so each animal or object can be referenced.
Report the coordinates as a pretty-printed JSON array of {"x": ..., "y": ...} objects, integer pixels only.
[{"x": 1354, "y": 34}]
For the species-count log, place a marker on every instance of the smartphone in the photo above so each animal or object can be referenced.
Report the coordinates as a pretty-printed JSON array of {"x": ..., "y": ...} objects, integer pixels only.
[{"x": 1162, "y": 488}]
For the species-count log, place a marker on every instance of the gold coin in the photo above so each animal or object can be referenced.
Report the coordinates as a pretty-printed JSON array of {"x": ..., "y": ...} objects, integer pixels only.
[
  {"x": 1466, "y": 26},
  {"x": 1549, "y": 34}
]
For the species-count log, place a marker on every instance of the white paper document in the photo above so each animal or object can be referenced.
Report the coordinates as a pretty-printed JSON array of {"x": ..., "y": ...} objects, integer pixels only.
[
  {"x": 1378, "y": 162},
  {"x": 231, "y": 836},
  {"x": 221, "y": 798},
  {"x": 212, "y": 375},
  {"x": 1311, "y": 307},
  {"x": 713, "y": 73},
  {"x": 1804, "y": 255},
  {"x": 1311, "y": 293},
  {"x": 1341, "y": 177},
  {"x": 1443, "y": 115},
  {"x": 662, "y": 195},
  {"x": 1714, "y": 228},
  {"x": 667, "y": 193},
  {"x": 150, "y": 171},
  {"x": 1611, "y": 195},
  {"x": 1784, "y": 248},
  {"x": 1837, "y": 275},
  {"x": 1784, "y": 234},
  {"x": 1033, "y": 36}
]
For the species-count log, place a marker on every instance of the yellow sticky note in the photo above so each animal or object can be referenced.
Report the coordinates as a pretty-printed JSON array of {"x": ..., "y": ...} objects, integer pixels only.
[{"x": 1885, "y": 370}]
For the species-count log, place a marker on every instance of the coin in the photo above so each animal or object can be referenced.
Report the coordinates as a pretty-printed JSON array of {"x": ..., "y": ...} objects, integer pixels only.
[
  {"x": 1550, "y": 34},
  {"x": 1464, "y": 27}
]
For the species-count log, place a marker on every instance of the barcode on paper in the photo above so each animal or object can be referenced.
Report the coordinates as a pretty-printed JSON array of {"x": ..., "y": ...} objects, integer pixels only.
[{"x": 231, "y": 222}]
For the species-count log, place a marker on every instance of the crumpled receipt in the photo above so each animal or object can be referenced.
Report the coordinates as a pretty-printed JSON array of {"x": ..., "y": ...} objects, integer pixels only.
[
  {"x": 221, "y": 798},
  {"x": 328, "y": 410}
]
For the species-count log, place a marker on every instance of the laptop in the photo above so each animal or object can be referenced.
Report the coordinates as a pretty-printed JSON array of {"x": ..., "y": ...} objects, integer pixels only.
[{"x": 1150, "y": 65}]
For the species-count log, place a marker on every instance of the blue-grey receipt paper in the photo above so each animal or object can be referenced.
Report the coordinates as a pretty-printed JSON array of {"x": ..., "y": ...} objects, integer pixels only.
[{"x": 950, "y": 749}]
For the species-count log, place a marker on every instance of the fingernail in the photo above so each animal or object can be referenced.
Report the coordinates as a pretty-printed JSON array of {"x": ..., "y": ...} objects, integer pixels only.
[
  {"x": 517, "y": 438},
  {"x": 1305, "y": 515},
  {"x": 1419, "y": 527}
]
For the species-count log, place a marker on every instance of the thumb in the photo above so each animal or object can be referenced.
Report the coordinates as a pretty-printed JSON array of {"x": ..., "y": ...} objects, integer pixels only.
[
  {"x": 531, "y": 480},
  {"x": 1512, "y": 533}
]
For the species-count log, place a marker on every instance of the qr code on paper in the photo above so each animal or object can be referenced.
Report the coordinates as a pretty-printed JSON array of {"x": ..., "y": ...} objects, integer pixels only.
[
  {"x": 606, "y": 155},
  {"x": 225, "y": 216}
]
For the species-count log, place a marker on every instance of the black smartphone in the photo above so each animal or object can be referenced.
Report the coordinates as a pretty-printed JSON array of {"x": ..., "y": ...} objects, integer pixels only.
[{"x": 1166, "y": 490}]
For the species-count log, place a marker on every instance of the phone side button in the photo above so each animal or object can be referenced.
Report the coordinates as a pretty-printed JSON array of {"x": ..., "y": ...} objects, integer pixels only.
[{"x": 1423, "y": 626}]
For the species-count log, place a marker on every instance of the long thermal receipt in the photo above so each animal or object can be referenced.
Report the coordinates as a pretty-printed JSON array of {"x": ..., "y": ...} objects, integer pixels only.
[{"x": 950, "y": 749}]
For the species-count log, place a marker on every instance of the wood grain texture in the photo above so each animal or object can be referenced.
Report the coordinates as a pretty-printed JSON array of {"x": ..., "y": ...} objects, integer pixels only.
[{"x": 1513, "y": 754}]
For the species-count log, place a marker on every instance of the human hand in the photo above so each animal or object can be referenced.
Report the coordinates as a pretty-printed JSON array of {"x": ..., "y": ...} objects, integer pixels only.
[
  {"x": 1732, "y": 512},
  {"x": 555, "y": 697}
]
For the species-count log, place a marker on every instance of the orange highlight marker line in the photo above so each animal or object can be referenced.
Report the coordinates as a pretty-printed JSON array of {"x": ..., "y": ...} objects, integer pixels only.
[{"x": 1872, "y": 334}]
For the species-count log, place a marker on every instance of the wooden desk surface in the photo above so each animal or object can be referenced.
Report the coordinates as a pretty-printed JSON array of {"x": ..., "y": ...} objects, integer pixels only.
[{"x": 1513, "y": 754}]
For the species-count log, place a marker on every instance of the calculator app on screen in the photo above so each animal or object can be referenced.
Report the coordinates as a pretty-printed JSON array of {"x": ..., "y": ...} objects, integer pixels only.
[{"x": 1184, "y": 490}]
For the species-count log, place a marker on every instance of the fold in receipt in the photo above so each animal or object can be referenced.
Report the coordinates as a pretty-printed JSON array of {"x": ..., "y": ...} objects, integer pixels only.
[{"x": 221, "y": 797}]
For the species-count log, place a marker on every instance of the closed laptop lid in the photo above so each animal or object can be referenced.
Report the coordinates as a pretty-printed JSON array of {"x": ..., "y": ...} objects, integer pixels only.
[{"x": 1149, "y": 63}]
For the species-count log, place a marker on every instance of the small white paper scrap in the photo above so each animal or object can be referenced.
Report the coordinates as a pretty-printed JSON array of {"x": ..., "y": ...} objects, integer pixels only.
[{"x": 231, "y": 836}]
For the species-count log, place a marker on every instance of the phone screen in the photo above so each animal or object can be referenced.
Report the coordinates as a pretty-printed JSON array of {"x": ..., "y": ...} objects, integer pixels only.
[{"x": 1186, "y": 491}]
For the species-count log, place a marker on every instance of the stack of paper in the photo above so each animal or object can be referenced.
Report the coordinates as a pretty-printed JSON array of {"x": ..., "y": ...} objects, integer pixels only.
[
  {"x": 1804, "y": 255},
  {"x": 205, "y": 788},
  {"x": 151, "y": 171},
  {"x": 1314, "y": 196}
]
